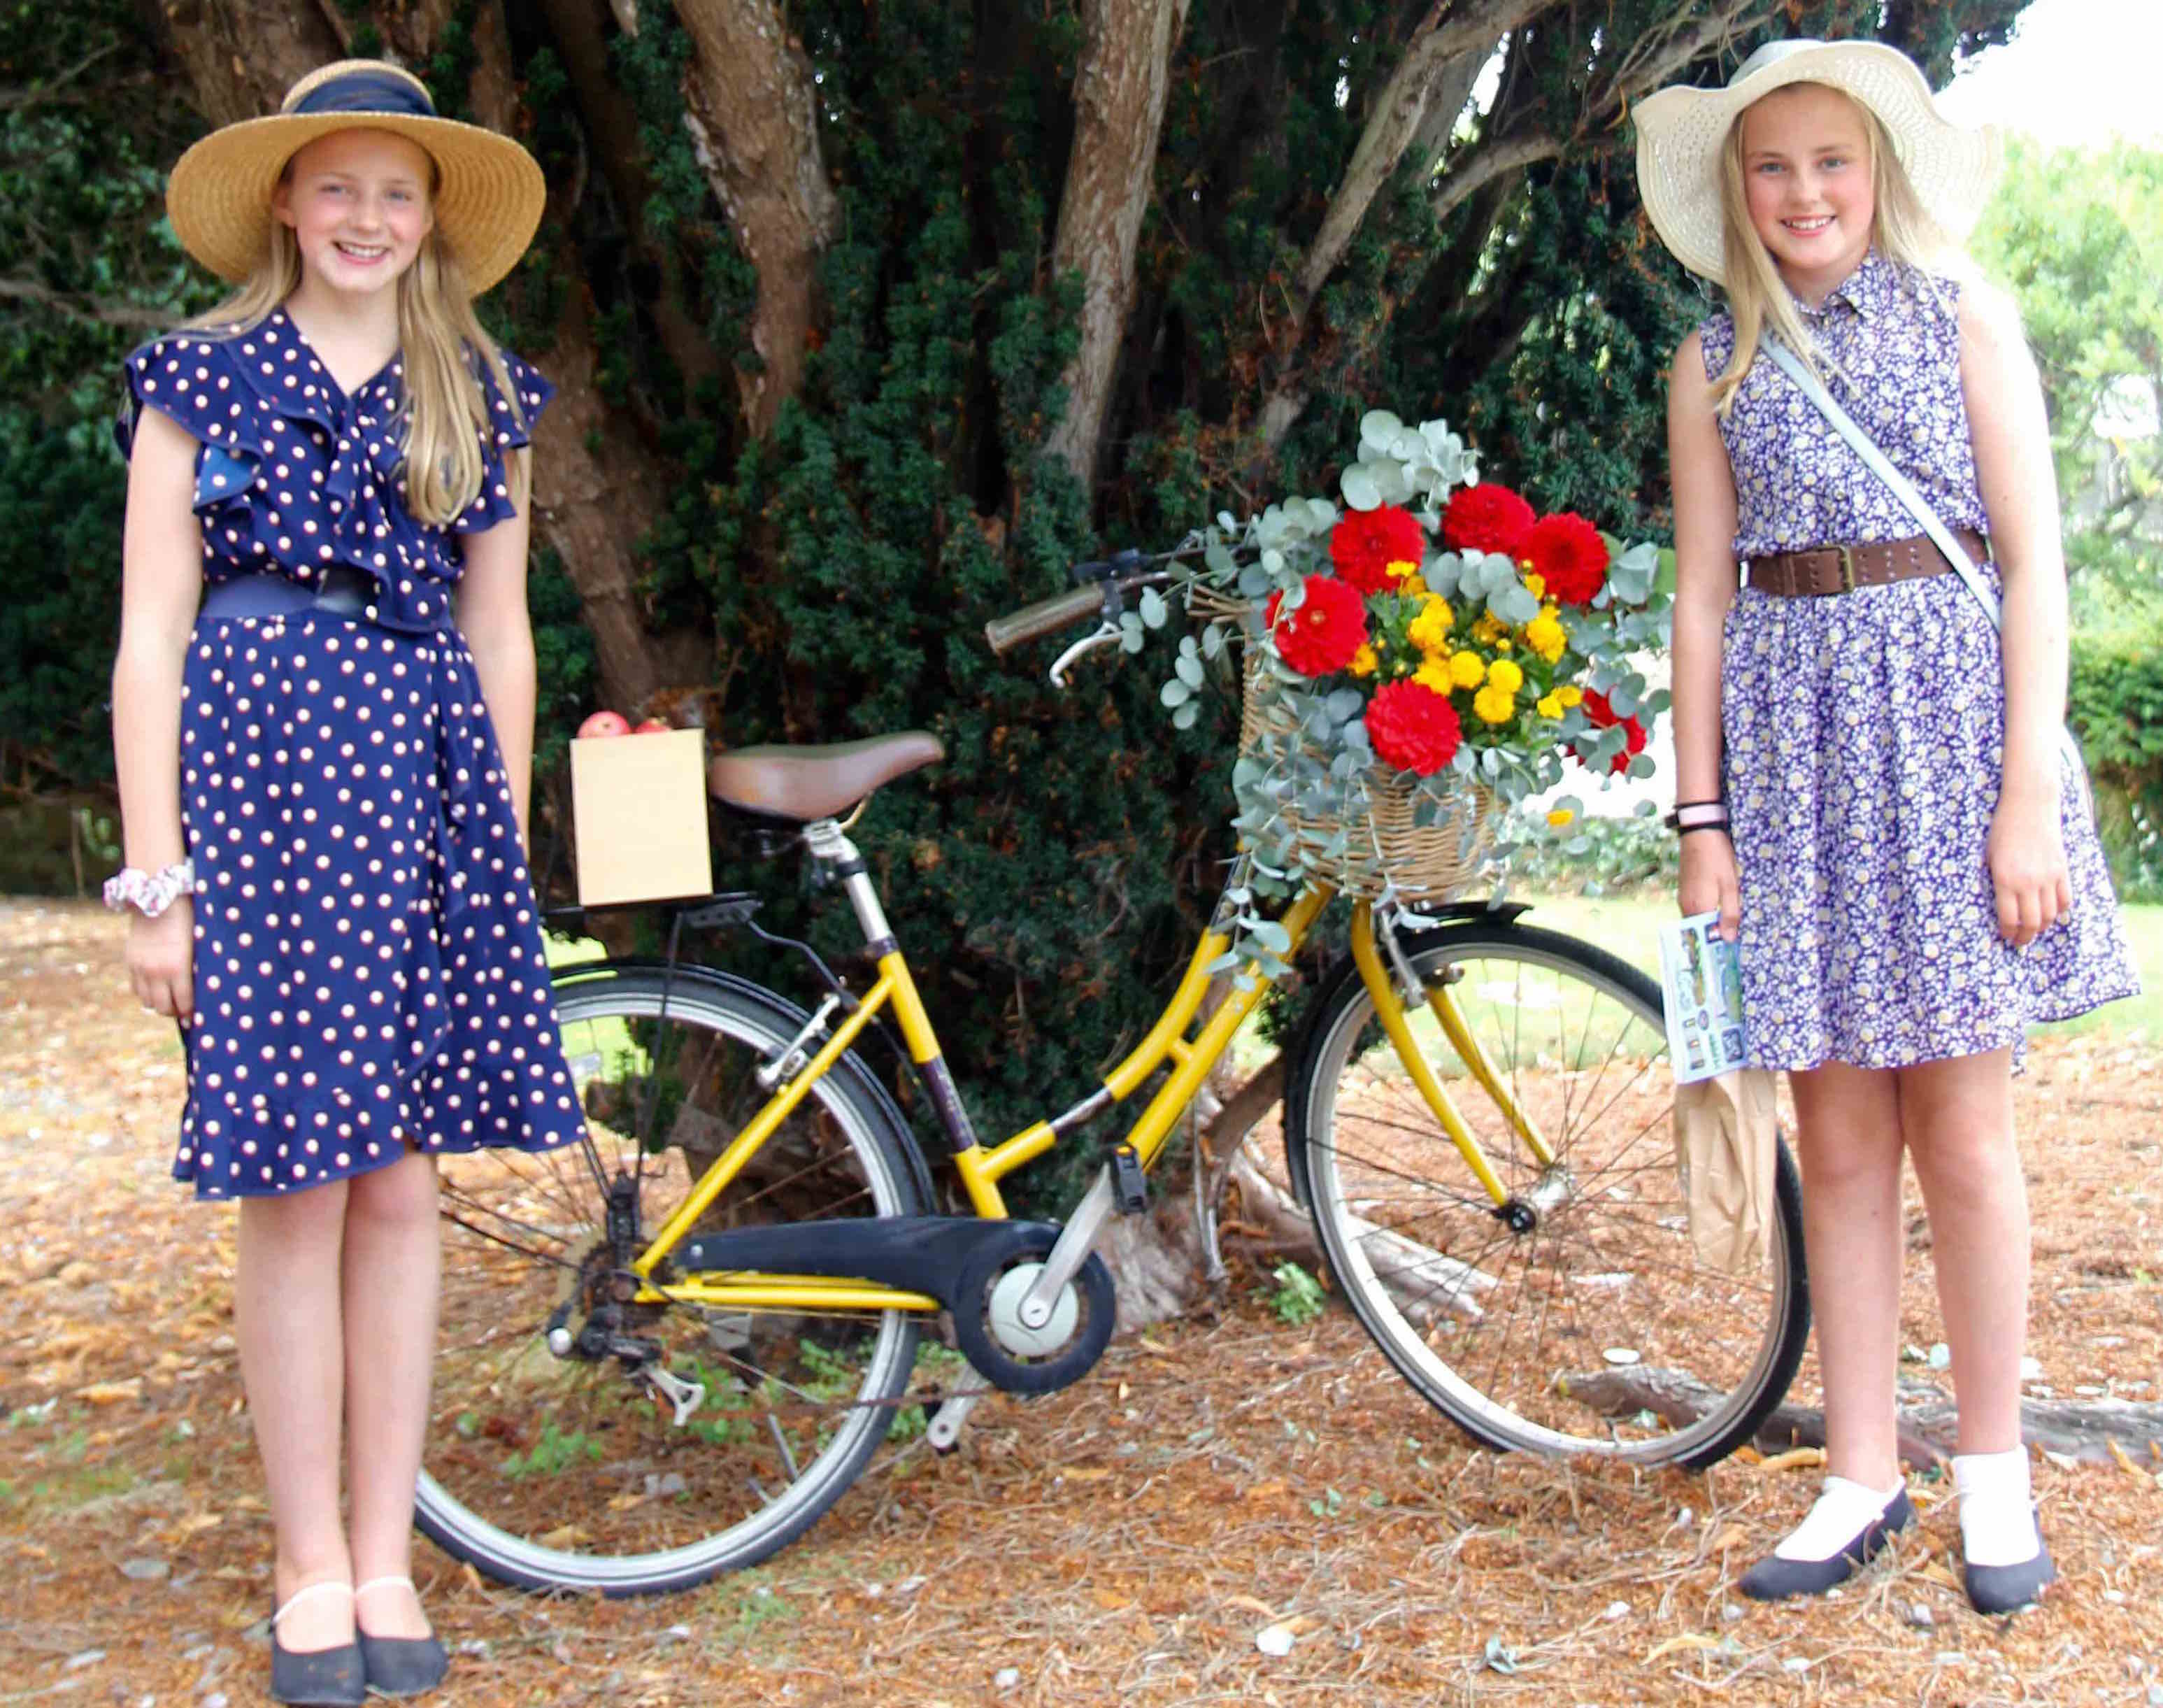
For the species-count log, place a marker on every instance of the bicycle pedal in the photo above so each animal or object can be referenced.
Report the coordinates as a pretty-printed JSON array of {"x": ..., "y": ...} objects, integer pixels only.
[{"x": 1130, "y": 1185}]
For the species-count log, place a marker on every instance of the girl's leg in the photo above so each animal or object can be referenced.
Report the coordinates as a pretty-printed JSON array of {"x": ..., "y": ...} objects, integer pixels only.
[
  {"x": 287, "y": 1314},
  {"x": 1849, "y": 1140},
  {"x": 393, "y": 1261},
  {"x": 1958, "y": 1116}
]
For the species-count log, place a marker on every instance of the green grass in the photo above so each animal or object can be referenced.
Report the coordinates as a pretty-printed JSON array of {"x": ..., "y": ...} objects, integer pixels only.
[{"x": 1629, "y": 927}]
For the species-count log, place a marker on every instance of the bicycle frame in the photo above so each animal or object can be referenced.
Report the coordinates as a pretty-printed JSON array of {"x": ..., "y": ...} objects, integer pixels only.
[{"x": 981, "y": 1168}]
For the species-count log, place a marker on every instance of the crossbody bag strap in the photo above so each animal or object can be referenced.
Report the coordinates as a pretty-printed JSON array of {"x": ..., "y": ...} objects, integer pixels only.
[{"x": 1900, "y": 485}]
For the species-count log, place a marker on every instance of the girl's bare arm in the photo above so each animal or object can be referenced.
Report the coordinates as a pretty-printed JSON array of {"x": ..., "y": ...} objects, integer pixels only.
[
  {"x": 162, "y": 584},
  {"x": 1704, "y": 587},
  {"x": 492, "y": 616}
]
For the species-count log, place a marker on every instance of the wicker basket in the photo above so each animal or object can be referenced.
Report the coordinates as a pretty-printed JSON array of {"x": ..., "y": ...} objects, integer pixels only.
[{"x": 1432, "y": 863}]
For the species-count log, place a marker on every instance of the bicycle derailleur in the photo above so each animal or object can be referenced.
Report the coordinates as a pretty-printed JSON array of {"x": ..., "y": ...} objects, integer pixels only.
[{"x": 600, "y": 1296}]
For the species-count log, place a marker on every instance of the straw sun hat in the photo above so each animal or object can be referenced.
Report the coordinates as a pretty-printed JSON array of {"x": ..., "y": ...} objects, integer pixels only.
[
  {"x": 488, "y": 198},
  {"x": 1681, "y": 131}
]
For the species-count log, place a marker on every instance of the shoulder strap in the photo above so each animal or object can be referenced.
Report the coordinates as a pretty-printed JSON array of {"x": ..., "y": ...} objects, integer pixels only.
[{"x": 1901, "y": 486}]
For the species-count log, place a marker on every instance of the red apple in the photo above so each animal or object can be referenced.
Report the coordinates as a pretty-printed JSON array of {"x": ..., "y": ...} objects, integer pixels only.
[
  {"x": 603, "y": 723},
  {"x": 652, "y": 727}
]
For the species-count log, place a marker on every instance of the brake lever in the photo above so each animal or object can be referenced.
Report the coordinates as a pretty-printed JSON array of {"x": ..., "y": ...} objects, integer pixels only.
[{"x": 1105, "y": 634}]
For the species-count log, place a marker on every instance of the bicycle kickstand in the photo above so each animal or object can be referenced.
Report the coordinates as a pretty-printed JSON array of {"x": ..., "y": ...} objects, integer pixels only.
[{"x": 944, "y": 1432}]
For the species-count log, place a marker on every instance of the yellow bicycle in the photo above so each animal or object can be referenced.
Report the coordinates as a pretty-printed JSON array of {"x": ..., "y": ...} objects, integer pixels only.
[{"x": 665, "y": 1351}]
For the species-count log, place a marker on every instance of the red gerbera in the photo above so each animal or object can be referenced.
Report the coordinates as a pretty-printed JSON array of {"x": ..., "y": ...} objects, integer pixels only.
[
  {"x": 1487, "y": 518},
  {"x": 1321, "y": 638},
  {"x": 1412, "y": 727},
  {"x": 1602, "y": 716},
  {"x": 1566, "y": 552},
  {"x": 1365, "y": 544}
]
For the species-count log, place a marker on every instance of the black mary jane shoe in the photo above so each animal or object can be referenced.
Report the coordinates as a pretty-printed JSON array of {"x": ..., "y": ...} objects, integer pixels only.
[
  {"x": 316, "y": 1677},
  {"x": 1773, "y": 1579},
  {"x": 401, "y": 1666},
  {"x": 2008, "y": 1588}
]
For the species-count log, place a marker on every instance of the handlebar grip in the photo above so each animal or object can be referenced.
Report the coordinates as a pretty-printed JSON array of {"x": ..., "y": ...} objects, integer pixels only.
[{"x": 1046, "y": 616}]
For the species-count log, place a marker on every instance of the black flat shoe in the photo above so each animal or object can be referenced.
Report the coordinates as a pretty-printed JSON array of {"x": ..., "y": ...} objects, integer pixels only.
[
  {"x": 2008, "y": 1588},
  {"x": 1773, "y": 1579},
  {"x": 316, "y": 1677},
  {"x": 401, "y": 1666}
]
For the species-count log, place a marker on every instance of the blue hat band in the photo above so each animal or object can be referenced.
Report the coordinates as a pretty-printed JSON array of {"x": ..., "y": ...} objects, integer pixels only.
[{"x": 366, "y": 92}]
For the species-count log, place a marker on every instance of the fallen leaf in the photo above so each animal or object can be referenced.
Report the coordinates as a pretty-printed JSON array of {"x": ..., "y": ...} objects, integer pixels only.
[
  {"x": 563, "y": 1535},
  {"x": 1096, "y": 1475},
  {"x": 2118, "y": 1453},
  {"x": 1263, "y": 1492},
  {"x": 1251, "y": 1604},
  {"x": 1688, "y": 1639},
  {"x": 112, "y": 1393},
  {"x": 1111, "y": 1600},
  {"x": 1795, "y": 1459},
  {"x": 1727, "y": 1537},
  {"x": 1937, "y": 1572}
]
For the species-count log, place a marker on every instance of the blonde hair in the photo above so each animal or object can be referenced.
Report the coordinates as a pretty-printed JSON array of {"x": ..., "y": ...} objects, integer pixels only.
[
  {"x": 445, "y": 418},
  {"x": 1901, "y": 230}
]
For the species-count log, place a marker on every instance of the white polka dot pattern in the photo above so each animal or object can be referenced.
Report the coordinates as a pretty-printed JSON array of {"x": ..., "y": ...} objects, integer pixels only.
[{"x": 367, "y": 959}]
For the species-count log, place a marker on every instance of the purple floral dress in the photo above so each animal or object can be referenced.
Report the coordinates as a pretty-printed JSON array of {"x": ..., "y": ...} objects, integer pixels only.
[{"x": 1865, "y": 731}]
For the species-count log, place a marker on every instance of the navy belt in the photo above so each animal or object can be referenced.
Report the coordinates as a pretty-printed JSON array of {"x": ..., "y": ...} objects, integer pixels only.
[{"x": 340, "y": 591}]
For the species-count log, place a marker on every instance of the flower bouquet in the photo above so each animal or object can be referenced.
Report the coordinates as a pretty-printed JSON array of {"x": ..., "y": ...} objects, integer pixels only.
[{"x": 1417, "y": 665}]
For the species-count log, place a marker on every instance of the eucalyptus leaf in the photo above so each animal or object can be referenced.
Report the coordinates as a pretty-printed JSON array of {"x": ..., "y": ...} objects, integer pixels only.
[
  {"x": 1174, "y": 693},
  {"x": 1213, "y": 641},
  {"x": 1361, "y": 490},
  {"x": 1132, "y": 640},
  {"x": 1155, "y": 610},
  {"x": 1189, "y": 669},
  {"x": 1269, "y": 935},
  {"x": 1344, "y": 703},
  {"x": 1184, "y": 717},
  {"x": 1253, "y": 581}
]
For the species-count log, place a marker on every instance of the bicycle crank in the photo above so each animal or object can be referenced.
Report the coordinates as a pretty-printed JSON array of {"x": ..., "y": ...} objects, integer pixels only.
[{"x": 987, "y": 1315}]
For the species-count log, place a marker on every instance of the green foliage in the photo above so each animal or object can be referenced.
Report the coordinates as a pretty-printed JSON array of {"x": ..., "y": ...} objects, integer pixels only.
[
  {"x": 1297, "y": 1298},
  {"x": 2116, "y": 698},
  {"x": 2077, "y": 236}
]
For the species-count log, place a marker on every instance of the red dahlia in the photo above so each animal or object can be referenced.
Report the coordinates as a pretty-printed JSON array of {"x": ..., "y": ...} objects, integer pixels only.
[
  {"x": 1602, "y": 717},
  {"x": 1365, "y": 544},
  {"x": 1320, "y": 638},
  {"x": 1412, "y": 727},
  {"x": 1487, "y": 518},
  {"x": 1567, "y": 551}
]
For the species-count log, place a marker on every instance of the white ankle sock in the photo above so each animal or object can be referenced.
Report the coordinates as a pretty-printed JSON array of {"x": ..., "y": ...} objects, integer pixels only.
[
  {"x": 1998, "y": 1520},
  {"x": 1842, "y": 1512}
]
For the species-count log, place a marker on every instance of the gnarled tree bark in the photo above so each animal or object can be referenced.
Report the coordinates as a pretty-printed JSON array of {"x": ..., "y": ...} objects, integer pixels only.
[
  {"x": 753, "y": 113},
  {"x": 1119, "y": 90}
]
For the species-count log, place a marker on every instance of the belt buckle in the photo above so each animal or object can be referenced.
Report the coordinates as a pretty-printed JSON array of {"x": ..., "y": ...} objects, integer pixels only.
[{"x": 1846, "y": 568}]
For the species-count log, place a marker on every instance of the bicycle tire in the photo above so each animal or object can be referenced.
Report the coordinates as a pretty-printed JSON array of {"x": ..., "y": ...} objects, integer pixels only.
[
  {"x": 552, "y": 1473},
  {"x": 1621, "y": 1284}
]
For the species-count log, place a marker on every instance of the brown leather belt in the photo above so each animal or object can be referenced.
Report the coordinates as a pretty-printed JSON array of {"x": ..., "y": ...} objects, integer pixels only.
[{"x": 1824, "y": 570}]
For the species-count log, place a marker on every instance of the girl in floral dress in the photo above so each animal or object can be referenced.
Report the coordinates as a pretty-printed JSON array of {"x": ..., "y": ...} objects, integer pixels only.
[
  {"x": 322, "y": 724},
  {"x": 1871, "y": 790}
]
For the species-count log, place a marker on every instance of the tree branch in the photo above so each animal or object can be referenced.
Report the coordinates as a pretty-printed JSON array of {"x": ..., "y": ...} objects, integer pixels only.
[
  {"x": 752, "y": 111},
  {"x": 1119, "y": 91},
  {"x": 18, "y": 289}
]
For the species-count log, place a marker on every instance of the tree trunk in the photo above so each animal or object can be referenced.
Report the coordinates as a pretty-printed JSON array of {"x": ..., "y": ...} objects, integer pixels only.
[
  {"x": 242, "y": 55},
  {"x": 753, "y": 113},
  {"x": 1119, "y": 90}
]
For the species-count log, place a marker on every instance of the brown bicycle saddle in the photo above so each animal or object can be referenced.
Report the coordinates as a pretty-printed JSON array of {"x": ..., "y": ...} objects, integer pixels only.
[{"x": 804, "y": 783}]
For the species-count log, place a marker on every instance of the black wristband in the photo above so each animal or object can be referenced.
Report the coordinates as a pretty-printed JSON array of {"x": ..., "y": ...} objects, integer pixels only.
[{"x": 1684, "y": 829}]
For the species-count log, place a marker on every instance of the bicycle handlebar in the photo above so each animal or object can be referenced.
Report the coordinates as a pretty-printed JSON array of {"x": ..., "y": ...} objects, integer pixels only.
[{"x": 1046, "y": 616}]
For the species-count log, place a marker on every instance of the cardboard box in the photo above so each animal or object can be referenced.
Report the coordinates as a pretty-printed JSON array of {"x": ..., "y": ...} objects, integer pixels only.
[{"x": 638, "y": 807}]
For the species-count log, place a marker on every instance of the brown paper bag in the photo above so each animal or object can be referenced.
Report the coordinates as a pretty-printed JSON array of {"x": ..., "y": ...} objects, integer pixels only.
[
  {"x": 638, "y": 803},
  {"x": 1725, "y": 1134}
]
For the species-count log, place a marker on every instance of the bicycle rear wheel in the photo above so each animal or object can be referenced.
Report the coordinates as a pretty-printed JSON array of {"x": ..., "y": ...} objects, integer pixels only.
[
  {"x": 1594, "y": 1329},
  {"x": 573, "y": 1471}
]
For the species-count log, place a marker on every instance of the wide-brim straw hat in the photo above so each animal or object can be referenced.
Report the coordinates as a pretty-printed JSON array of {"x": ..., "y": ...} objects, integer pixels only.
[
  {"x": 1681, "y": 131},
  {"x": 489, "y": 192}
]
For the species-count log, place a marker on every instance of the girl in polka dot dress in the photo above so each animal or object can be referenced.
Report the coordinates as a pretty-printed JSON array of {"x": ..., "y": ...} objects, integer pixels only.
[
  {"x": 1873, "y": 796},
  {"x": 323, "y": 711}
]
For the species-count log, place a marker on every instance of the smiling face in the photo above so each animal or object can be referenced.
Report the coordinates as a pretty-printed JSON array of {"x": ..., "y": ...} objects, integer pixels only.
[
  {"x": 357, "y": 202},
  {"x": 1807, "y": 184}
]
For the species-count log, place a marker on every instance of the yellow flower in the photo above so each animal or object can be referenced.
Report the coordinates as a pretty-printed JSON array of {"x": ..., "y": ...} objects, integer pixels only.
[
  {"x": 1415, "y": 587},
  {"x": 1560, "y": 817},
  {"x": 1430, "y": 629},
  {"x": 1504, "y": 675},
  {"x": 1549, "y": 705},
  {"x": 1364, "y": 662},
  {"x": 1546, "y": 637},
  {"x": 1434, "y": 673},
  {"x": 1400, "y": 571},
  {"x": 1489, "y": 630},
  {"x": 1495, "y": 705},
  {"x": 1535, "y": 583},
  {"x": 1569, "y": 693},
  {"x": 1467, "y": 670}
]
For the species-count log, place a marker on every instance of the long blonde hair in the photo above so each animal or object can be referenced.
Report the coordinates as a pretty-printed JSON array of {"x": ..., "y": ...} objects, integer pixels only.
[
  {"x": 1902, "y": 232},
  {"x": 446, "y": 418}
]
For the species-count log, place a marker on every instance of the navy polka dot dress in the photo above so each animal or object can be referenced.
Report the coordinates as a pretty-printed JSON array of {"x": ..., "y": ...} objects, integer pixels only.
[{"x": 368, "y": 964}]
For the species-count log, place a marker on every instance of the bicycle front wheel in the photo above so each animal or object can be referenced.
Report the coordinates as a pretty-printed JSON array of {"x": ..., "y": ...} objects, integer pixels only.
[
  {"x": 579, "y": 1468},
  {"x": 1584, "y": 1322}
]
